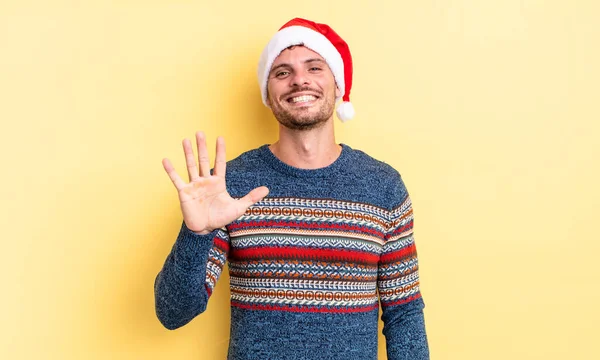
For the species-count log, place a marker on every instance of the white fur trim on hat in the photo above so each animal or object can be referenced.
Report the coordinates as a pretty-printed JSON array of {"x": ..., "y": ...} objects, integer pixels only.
[{"x": 300, "y": 35}]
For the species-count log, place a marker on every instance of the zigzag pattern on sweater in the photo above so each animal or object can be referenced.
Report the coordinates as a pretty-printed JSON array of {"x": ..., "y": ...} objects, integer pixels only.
[
  {"x": 315, "y": 241},
  {"x": 303, "y": 270}
]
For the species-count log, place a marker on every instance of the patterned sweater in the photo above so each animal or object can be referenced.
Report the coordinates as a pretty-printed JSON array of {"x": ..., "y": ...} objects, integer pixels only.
[{"x": 308, "y": 264}]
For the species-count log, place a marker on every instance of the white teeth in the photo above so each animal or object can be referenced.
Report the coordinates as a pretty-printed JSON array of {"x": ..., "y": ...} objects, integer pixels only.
[{"x": 303, "y": 98}]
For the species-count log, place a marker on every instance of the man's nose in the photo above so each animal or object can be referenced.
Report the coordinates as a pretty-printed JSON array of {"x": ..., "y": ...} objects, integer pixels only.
[{"x": 300, "y": 78}]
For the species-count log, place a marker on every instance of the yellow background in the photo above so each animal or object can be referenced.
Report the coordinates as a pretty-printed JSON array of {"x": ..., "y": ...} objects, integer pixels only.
[{"x": 489, "y": 109}]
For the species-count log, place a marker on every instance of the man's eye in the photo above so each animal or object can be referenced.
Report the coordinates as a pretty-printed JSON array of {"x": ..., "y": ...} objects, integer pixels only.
[{"x": 281, "y": 73}]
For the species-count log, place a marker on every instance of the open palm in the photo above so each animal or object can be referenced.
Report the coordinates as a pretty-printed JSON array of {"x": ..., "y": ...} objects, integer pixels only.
[{"x": 205, "y": 203}]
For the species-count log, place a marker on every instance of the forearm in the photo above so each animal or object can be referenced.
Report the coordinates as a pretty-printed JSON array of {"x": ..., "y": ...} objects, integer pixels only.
[
  {"x": 404, "y": 330},
  {"x": 180, "y": 287}
]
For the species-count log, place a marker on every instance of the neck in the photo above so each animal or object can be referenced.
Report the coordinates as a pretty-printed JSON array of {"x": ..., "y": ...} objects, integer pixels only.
[{"x": 307, "y": 149}]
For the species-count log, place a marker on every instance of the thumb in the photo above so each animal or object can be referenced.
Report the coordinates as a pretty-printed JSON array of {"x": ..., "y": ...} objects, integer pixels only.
[{"x": 254, "y": 196}]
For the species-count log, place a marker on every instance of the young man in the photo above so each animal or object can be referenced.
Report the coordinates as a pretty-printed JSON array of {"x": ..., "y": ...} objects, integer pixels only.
[{"x": 316, "y": 233}]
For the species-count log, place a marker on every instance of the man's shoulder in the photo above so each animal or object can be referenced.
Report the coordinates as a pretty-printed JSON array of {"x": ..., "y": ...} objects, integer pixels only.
[
  {"x": 381, "y": 180},
  {"x": 371, "y": 166}
]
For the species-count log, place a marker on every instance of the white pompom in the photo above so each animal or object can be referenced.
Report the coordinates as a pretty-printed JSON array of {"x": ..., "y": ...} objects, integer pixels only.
[{"x": 345, "y": 111}]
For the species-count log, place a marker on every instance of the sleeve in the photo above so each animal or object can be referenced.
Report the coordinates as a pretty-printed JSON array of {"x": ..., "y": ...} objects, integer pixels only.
[
  {"x": 190, "y": 272},
  {"x": 398, "y": 286}
]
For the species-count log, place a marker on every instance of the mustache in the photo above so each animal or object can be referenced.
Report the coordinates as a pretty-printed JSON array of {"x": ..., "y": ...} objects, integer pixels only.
[{"x": 299, "y": 90}]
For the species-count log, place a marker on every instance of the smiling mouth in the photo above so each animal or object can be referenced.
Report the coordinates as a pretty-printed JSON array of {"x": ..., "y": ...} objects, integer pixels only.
[{"x": 302, "y": 99}]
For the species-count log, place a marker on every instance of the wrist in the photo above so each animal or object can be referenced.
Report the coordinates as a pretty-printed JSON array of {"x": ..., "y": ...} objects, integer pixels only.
[
  {"x": 203, "y": 232},
  {"x": 198, "y": 232}
]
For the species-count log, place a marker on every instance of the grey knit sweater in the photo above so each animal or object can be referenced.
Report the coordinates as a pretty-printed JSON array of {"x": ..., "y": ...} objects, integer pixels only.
[{"x": 309, "y": 265}]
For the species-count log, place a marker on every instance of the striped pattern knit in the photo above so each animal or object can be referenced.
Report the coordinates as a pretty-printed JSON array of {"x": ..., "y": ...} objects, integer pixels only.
[{"x": 312, "y": 260}]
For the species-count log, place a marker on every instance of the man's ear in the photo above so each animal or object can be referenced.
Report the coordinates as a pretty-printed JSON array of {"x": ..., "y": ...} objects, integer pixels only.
[{"x": 338, "y": 93}]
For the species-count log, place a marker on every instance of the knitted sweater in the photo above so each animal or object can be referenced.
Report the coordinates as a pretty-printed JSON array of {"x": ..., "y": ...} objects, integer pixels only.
[{"x": 307, "y": 264}]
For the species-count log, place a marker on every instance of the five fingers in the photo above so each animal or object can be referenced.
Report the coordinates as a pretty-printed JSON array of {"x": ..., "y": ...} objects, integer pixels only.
[
  {"x": 202, "y": 167},
  {"x": 194, "y": 173}
]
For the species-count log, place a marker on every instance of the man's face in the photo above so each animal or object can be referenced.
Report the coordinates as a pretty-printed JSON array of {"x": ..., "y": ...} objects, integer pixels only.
[{"x": 301, "y": 89}]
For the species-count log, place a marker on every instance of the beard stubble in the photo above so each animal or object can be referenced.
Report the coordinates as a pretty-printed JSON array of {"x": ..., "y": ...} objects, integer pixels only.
[{"x": 302, "y": 118}]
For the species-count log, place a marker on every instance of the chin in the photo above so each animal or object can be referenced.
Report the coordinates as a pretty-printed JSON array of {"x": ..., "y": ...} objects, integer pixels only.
[
  {"x": 302, "y": 122},
  {"x": 295, "y": 124},
  {"x": 302, "y": 119}
]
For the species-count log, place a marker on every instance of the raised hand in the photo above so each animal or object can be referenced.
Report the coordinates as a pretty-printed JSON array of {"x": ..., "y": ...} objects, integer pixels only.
[{"x": 205, "y": 203}]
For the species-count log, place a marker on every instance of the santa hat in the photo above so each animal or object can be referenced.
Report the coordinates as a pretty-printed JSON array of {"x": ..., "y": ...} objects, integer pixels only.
[{"x": 321, "y": 39}]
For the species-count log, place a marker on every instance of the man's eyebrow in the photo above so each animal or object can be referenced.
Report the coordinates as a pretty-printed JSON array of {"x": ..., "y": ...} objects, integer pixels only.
[{"x": 314, "y": 60}]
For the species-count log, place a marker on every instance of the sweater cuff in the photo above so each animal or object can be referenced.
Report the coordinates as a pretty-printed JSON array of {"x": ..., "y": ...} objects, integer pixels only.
[{"x": 191, "y": 249}]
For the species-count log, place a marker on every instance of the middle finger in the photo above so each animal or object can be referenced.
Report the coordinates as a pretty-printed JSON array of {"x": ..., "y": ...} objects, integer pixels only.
[{"x": 203, "y": 154}]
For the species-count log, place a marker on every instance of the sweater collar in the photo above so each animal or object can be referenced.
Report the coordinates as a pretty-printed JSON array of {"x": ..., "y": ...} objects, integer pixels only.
[{"x": 343, "y": 160}]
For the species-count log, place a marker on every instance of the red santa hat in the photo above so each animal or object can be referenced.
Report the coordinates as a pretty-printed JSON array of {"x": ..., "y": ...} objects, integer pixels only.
[{"x": 321, "y": 39}]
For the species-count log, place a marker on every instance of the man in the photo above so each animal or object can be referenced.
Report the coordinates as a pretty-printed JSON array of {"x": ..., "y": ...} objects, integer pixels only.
[{"x": 315, "y": 232}]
